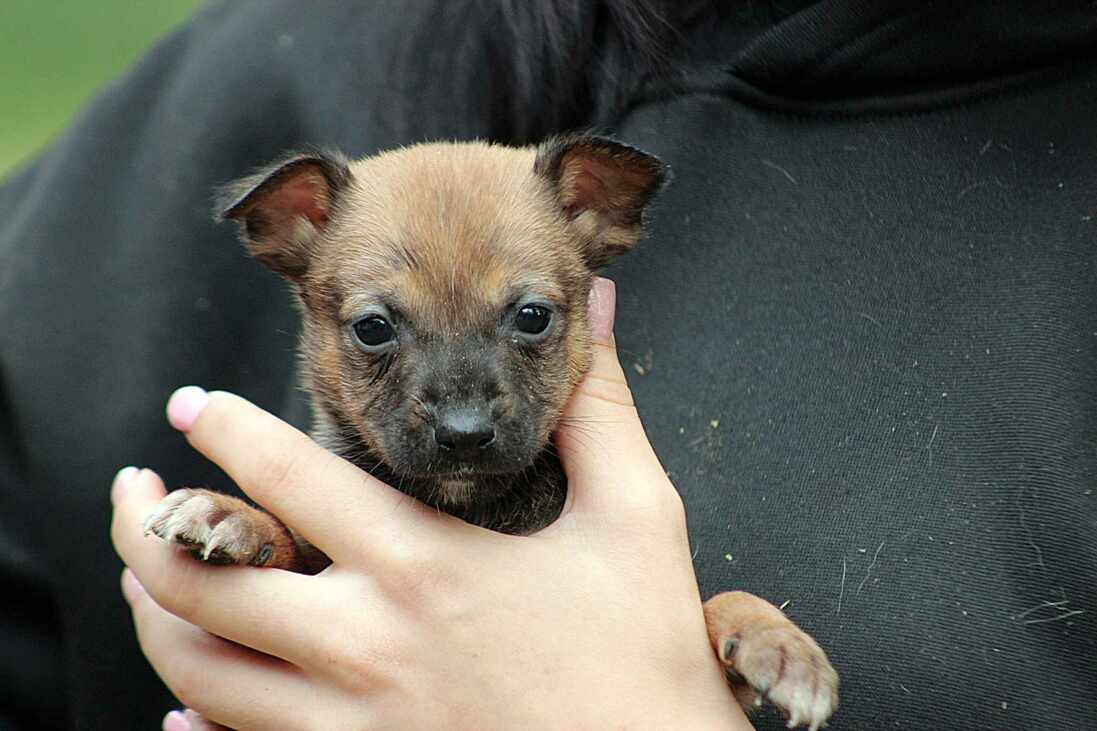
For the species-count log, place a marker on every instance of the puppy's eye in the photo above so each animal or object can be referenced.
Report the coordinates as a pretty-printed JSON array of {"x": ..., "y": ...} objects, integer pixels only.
[
  {"x": 374, "y": 331},
  {"x": 533, "y": 319}
]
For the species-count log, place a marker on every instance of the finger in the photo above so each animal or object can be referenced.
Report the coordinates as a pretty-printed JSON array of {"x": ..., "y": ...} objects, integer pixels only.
[
  {"x": 336, "y": 506},
  {"x": 190, "y": 720},
  {"x": 260, "y": 608},
  {"x": 224, "y": 682},
  {"x": 600, "y": 426}
]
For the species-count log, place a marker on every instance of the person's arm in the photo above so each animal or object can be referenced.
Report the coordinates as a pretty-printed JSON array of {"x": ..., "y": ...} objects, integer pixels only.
[{"x": 425, "y": 621}]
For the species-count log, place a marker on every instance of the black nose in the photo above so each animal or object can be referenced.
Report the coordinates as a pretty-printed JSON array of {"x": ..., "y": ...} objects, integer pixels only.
[{"x": 464, "y": 431}]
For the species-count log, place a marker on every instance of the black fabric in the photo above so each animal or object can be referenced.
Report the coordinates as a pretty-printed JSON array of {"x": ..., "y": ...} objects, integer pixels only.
[
  {"x": 835, "y": 46},
  {"x": 865, "y": 351},
  {"x": 861, "y": 334}
]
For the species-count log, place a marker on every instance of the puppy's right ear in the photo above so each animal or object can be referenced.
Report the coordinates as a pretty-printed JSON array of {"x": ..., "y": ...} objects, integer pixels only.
[{"x": 285, "y": 207}]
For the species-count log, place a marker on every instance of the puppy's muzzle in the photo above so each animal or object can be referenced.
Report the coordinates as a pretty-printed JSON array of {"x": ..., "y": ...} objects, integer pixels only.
[{"x": 465, "y": 432}]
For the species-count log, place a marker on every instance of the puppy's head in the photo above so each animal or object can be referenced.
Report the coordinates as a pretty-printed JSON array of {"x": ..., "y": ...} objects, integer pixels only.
[{"x": 444, "y": 291}]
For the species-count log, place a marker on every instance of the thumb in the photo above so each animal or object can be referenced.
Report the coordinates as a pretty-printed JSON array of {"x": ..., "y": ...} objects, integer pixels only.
[{"x": 600, "y": 438}]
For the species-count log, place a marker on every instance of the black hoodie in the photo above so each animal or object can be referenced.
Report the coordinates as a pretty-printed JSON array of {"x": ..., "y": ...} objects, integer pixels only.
[{"x": 862, "y": 333}]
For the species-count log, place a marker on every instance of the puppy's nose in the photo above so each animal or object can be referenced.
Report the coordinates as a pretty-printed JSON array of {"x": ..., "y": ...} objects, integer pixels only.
[{"x": 464, "y": 431}]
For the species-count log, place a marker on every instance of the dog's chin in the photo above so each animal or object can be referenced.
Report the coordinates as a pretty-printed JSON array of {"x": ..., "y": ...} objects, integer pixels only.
[
  {"x": 473, "y": 472},
  {"x": 456, "y": 484},
  {"x": 438, "y": 466},
  {"x": 457, "y": 491},
  {"x": 519, "y": 500}
]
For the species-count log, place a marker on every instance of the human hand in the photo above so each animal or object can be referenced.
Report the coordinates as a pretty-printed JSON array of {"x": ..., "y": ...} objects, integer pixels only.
[{"x": 424, "y": 620}]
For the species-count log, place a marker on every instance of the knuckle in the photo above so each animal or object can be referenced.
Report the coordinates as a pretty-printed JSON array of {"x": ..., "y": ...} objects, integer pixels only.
[
  {"x": 671, "y": 514},
  {"x": 428, "y": 579},
  {"x": 608, "y": 389},
  {"x": 409, "y": 565},
  {"x": 216, "y": 420},
  {"x": 287, "y": 464},
  {"x": 277, "y": 470},
  {"x": 660, "y": 510},
  {"x": 357, "y": 676},
  {"x": 354, "y": 664},
  {"x": 416, "y": 566}
]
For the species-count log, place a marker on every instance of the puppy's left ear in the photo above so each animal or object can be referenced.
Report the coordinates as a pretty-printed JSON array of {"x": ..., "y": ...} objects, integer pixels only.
[{"x": 602, "y": 188}]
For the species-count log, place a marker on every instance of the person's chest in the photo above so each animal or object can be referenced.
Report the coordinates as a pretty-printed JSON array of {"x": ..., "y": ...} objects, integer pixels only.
[{"x": 863, "y": 349}]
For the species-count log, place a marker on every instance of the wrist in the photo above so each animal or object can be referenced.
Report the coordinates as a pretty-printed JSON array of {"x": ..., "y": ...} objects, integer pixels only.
[
  {"x": 703, "y": 705},
  {"x": 696, "y": 700}
]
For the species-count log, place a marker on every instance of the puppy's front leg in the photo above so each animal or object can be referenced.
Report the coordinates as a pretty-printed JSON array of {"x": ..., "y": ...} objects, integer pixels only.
[
  {"x": 225, "y": 530},
  {"x": 768, "y": 657}
]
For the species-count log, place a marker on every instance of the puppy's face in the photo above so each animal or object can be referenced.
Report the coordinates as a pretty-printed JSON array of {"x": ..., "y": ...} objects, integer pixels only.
[{"x": 444, "y": 292}]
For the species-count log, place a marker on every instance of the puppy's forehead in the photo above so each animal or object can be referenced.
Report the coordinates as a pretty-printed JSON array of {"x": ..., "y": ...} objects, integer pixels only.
[{"x": 449, "y": 234}]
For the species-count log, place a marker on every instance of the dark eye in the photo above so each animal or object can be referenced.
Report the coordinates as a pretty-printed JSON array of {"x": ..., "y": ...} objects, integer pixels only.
[
  {"x": 374, "y": 331},
  {"x": 533, "y": 319}
]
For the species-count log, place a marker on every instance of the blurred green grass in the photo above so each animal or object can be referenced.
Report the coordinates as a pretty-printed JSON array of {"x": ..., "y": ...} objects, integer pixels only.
[{"x": 55, "y": 54}]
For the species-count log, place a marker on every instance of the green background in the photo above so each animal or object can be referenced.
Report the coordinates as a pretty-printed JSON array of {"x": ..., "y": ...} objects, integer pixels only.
[{"x": 55, "y": 54}]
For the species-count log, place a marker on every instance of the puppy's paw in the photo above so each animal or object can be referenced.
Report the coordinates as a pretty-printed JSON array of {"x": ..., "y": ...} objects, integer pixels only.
[
  {"x": 787, "y": 668},
  {"x": 216, "y": 528},
  {"x": 768, "y": 657}
]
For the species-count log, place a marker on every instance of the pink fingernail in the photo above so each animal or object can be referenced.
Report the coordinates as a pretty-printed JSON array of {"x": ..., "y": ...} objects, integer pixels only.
[
  {"x": 194, "y": 718},
  {"x": 185, "y": 405},
  {"x": 602, "y": 306},
  {"x": 131, "y": 587},
  {"x": 122, "y": 480},
  {"x": 176, "y": 721}
]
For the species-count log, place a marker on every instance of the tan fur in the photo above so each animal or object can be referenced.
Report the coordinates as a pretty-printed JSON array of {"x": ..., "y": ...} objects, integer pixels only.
[{"x": 485, "y": 227}]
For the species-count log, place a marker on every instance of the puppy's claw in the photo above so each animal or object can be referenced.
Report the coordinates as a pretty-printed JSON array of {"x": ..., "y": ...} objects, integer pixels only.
[
  {"x": 214, "y": 528},
  {"x": 789, "y": 670}
]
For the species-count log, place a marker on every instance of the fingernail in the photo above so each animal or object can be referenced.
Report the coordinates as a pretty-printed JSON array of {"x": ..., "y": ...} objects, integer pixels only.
[
  {"x": 185, "y": 405},
  {"x": 602, "y": 306},
  {"x": 195, "y": 719},
  {"x": 176, "y": 721},
  {"x": 131, "y": 587},
  {"x": 122, "y": 481}
]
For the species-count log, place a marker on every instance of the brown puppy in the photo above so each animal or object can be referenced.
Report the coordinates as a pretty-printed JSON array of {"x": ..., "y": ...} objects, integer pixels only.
[{"x": 444, "y": 294}]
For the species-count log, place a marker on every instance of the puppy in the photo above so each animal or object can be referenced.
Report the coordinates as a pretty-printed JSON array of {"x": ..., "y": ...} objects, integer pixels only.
[{"x": 444, "y": 294}]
